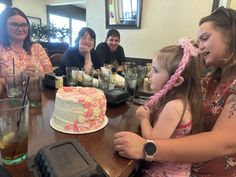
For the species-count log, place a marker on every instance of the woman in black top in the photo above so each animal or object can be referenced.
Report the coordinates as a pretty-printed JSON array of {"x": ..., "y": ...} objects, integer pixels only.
[{"x": 83, "y": 54}]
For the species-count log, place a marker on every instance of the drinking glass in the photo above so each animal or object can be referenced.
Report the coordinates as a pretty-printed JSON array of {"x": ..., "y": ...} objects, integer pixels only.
[
  {"x": 13, "y": 130},
  {"x": 72, "y": 74},
  {"x": 34, "y": 93},
  {"x": 87, "y": 77},
  {"x": 131, "y": 82},
  {"x": 129, "y": 67},
  {"x": 104, "y": 77},
  {"x": 142, "y": 72},
  {"x": 13, "y": 84}
]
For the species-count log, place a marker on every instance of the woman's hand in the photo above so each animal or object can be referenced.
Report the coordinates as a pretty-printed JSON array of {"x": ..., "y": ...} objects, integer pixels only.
[
  {"x": 32, "y": 70},
  {"x": 129, "y": 145},
  {"x": 84, "y": 50},
  {"x": 143, "y": 112}
]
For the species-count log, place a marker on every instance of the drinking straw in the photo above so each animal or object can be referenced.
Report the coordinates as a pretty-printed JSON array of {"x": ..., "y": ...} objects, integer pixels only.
[
  {"x": 19, "y": 120},
  {"x": 23, "y": 102},
  {"x": 13, "y": 67}
]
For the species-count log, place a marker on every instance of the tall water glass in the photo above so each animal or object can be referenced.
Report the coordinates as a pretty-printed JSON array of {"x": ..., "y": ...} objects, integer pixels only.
[
  {"x": 34, "y": 93},
  {"x": 13, "y": 130},
  {"x": 142, "y": 72},
  {"x": 87, "y": 77},
  {"x": 72, "y": 74},
  {"x": 131, "y": 82},
  {"x": 13, "y": 83},
  {"x": 104, "y": 77},
  {"x": 129, "y": 67}
]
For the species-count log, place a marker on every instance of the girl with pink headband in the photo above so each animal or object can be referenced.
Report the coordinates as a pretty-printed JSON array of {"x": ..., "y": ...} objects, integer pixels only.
[{"x": 174, "y": 110}]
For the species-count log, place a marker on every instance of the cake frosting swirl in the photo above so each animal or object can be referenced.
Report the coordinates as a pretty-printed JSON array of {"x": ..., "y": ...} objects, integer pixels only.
[{"x": 79, "y": 109}]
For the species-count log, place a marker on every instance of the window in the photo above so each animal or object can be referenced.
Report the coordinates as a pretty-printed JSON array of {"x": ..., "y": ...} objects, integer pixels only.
[
  {"x": 59, "y": 21},
  {"x": 76, "y": 25},
  {"x": 2, "y": 7},
  {"x": 73, "y": 24},
  {"x": 129, "y": 11}
]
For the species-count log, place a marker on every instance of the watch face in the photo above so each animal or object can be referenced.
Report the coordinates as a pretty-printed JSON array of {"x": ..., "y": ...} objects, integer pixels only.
[{"x": 150, "y": 148}]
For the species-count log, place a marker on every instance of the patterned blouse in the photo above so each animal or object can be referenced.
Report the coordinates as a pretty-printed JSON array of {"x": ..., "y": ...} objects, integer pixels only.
[
  {"x": 38, "y": 58},
  {"x": 215, "y": 94}
]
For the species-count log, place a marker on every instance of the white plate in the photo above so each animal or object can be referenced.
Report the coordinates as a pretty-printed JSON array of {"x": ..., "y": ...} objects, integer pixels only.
[{"x": 61, "y": 128}]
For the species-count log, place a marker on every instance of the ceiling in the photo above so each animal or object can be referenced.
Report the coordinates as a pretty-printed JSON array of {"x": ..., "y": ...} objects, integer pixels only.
[
  {"x": 81, "y": 5},
  {"x": 78, "y": 3}
]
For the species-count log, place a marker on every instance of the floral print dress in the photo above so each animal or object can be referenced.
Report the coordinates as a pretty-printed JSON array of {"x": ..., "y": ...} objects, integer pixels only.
[
  {"x": 38, "y": 58},
  {"x": 215, "y": 94}
]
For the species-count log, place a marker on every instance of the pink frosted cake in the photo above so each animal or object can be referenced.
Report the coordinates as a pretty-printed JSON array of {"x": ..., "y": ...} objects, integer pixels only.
[{"x": 79, "y": 109}]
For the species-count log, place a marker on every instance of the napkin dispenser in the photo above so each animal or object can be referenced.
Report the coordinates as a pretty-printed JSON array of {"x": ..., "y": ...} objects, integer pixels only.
[
  {"x": 65, "y": 159},
  {"x": 52, "y": 81},
  {"x": 116, "y": 96}
]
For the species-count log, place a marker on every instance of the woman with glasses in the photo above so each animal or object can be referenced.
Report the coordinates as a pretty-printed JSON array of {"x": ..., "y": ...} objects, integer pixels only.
[
  {"x": 82, "y": 55},
  {"x": 17, "y": 52},
  {"x": 212, "y": 152}
]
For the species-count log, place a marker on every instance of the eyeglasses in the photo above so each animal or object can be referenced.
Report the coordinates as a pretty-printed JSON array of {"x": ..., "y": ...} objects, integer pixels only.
[{"x": 16, "y": 26}]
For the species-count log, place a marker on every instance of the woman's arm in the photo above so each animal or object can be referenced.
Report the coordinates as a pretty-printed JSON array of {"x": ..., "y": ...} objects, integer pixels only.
[
  {"x": 219, "y": 142},
  {"x": 44, "y": 59},
  {"x": 84, "y": 50}
]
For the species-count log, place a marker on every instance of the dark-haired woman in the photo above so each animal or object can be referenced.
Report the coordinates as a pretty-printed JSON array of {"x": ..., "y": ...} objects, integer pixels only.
[
  {"x": 213, "y": 152},
  {"x": 83, "y": 54},
  {"x": 16, "y": 48}
]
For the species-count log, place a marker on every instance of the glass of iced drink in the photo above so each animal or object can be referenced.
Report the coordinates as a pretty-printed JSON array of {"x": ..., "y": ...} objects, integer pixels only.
[{"x": 14, "y": 116}]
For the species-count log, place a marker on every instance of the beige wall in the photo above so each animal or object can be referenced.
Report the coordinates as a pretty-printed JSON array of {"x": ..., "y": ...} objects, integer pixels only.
[
  {"x": 35, "y": 8},
  {"x": 163, "y": 22},
  {"x": 233, "y": 4}
]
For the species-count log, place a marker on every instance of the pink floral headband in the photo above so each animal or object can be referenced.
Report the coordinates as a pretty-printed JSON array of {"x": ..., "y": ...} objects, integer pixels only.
[{"x": 189, "y": 50}]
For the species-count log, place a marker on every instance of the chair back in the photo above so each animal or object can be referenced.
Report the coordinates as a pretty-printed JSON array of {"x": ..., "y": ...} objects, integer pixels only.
[{"x": 55, "y": 59}]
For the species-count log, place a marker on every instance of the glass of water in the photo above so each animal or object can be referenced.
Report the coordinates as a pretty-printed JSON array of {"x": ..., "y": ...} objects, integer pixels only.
[
  {"x": 131, "y": 78},
  {"x": 13, "y": 84}
]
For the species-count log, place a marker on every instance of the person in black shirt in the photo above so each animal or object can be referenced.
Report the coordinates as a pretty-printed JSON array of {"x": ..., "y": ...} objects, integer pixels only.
[
  {"x": 110, "y": 52},
  {"x": 83, "y": 54}
]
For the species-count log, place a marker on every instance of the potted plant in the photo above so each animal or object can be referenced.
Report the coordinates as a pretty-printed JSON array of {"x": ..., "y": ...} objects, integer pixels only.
[{"x": 44, "y": 32}]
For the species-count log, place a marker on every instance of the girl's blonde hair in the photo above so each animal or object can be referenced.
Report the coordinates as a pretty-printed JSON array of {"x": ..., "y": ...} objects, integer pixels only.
[{"x": 190, "y": 90}]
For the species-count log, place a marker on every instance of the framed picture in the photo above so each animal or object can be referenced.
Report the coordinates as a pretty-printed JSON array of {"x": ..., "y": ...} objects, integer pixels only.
[
  {"x": 34, "y": 20},
  {"x": 125, "y": 14}
]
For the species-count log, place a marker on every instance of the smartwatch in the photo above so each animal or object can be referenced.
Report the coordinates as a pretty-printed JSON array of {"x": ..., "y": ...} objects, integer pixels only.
[{"x": 149, "y": 150}]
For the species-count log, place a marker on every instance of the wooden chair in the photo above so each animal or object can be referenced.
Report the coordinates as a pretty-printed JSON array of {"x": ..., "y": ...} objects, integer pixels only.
[{"x": 55, "y": 59}]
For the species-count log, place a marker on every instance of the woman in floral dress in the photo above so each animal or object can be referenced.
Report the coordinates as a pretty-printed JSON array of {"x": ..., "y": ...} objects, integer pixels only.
[{"x": 213, "y": 152}]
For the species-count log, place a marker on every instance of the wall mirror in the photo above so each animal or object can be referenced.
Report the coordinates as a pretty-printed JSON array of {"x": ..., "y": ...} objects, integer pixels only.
[
  {"x": 218, "y": 3},
  {"x": 123, "y": 14}
]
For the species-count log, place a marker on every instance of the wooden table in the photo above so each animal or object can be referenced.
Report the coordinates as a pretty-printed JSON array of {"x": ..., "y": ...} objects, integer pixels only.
[{"x": 99, "y": 144}]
